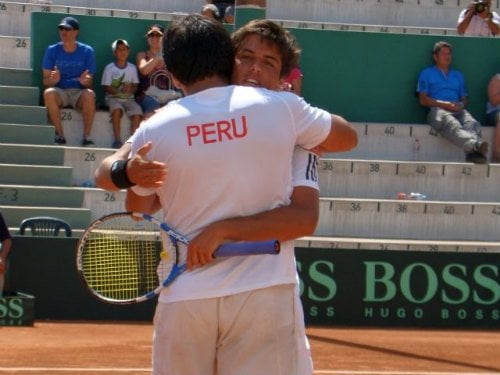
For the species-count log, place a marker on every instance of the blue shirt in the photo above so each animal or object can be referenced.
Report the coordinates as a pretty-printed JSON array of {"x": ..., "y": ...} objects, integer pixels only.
[
  {"x": 437, "y": 85},
  {"x": 71, "y": 65}
]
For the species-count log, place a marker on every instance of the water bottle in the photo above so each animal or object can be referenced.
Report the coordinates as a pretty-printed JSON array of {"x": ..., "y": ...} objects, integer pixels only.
[
  {"x": 416, "y": 150},
  {"x": 417, "y": 196}
]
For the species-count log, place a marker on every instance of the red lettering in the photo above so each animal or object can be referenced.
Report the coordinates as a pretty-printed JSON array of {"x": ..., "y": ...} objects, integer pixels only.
[
  {"x": 224, "y": 127},
  {"x": 207, "y": 132},
  {"x": 243, "y": 130},
  {"x": 192, "y": 131},
  {"x": 213, "y": 132}
]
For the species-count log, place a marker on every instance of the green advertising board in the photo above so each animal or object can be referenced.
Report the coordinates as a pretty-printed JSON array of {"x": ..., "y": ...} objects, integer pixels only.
[
  {"x": 399, "y": 288},
  {"x": 338, "y": 287},
  {"x": 17, "y": 309}
]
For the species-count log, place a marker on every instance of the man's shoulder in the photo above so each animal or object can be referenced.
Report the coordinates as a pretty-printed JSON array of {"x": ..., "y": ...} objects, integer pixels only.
[
  {"x": 456, "y": 72},
  {"x": 55, "y": 46},
  {"x": 429, "y": 69},
  {"x": 84, "y": 46}
]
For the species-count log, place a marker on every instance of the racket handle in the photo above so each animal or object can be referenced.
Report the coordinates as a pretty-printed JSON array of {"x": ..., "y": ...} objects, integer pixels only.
[{"x": 248, "y": 248}]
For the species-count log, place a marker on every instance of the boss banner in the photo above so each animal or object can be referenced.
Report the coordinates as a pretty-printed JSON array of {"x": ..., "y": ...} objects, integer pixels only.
[{"x": 396, "y": 288}]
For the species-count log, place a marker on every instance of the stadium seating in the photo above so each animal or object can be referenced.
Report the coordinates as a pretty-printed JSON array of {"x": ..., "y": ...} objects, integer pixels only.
[
  {"x": 359, "y": 205},
  {"x": 417, "y": 13}
]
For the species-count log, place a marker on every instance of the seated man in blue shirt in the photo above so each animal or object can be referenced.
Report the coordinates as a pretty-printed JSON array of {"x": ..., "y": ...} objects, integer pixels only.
[
  {"x": 442, "y": 89},
  {"x": 68, "y": 70}
]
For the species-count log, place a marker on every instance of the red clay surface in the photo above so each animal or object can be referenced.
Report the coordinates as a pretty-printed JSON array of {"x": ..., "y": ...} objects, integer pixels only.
[{"x": 125, "y": 348}]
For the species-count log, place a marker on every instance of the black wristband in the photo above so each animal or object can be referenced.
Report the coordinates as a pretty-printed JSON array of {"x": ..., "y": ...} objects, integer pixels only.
[{"x": 119, "y": 174}]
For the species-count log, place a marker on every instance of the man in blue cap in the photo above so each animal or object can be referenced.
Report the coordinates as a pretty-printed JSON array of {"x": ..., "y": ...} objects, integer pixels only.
[{"x": 68, "y": 70}]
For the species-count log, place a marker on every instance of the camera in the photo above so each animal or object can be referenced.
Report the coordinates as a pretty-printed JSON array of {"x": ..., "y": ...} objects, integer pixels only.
[{"x": 479, "y": 6}]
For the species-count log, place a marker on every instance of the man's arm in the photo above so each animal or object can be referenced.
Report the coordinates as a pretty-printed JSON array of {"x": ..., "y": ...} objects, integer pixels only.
[
  {"x": 465, "y": 18},
  {"x": 282, "y": 223},
  {"x": 6, "y": 246},
  {"x": 493, "y": 23},
  {"x": 142, "y": 172},
  {"x": 342, "y": 137},
  {"x": 51, "y": 77},
  {"x": 427, "y": 101},
  {"x": 138, "y": 203}
]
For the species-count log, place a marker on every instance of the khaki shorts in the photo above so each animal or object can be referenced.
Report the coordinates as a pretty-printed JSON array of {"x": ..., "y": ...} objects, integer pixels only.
[
  {"x": 69, "y": 97},
  {"x": 129, "y": 106},
  {"x": 258, "y": 332}
]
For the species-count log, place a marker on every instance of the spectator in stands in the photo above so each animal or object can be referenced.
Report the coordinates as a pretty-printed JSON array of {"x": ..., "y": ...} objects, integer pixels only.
[
  {"x": 6, "y": 242},
  {"x": 443, "y": 90},
  {"x": 293, "y": 82},
  {"x": 155, "y": 84},
  {"x": 68, "y": 70},
  {"x": 493, "y": 112},
  {"x": 120, "y": 82},
  {"x": 222, "y": 11},
  {"x": 478, "y": 19}
]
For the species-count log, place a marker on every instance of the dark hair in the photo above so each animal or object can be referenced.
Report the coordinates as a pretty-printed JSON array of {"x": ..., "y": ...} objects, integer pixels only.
[
  {"x": 197, "y": 47},
  {"x": 273, "y": 33},
  {"x": 437, "y": 47}
]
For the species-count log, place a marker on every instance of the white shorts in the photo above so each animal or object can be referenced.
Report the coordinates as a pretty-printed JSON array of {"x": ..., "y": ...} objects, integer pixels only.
[
  {"x": 252, "y": 333},
  {"x": 129, "y": 106}
]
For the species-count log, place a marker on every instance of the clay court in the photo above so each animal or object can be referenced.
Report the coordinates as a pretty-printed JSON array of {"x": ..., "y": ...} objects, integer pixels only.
[{"x": 106, "y": 348}]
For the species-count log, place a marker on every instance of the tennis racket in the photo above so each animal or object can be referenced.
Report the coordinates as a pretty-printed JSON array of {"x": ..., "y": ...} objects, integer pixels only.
[{"x": 123, "y": 259}]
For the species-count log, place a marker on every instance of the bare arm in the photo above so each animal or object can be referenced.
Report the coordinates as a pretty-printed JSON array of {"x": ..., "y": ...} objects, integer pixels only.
[
  {"x": 464, "y": 23},
  {"x": 342, "y": 137},
  {"x": 282, "y": 223},
  {"x": 427, "y": 101},
  {"x": 51, "y": 77},
  {"x": 142, "y": 172},
  {"x": 138, "y": 203},
  {"x": 494, "y": 27},
  {"x": 147, "y": 66},
  {"x": 6, "y": 246}
]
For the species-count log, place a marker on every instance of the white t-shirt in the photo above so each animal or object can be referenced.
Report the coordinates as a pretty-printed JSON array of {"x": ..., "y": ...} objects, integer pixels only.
[
  {"x": 304, "y": 167},
  {"x": 478, "y": 26},
  {"x": 115, "y": 76},
  {"x": 229, "y": 152}
]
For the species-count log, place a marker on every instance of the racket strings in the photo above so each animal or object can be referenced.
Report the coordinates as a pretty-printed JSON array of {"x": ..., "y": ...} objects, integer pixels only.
[{"x": 121, "y": 258}]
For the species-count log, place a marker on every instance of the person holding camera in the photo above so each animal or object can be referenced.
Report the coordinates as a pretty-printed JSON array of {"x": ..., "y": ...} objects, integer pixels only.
[{"x": 478, "y": 20}]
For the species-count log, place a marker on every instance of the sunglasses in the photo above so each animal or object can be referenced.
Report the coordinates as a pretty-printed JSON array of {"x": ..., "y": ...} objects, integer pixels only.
[
  {"x": 154, "y": 35},
  {"x": 64, "y": 28}
]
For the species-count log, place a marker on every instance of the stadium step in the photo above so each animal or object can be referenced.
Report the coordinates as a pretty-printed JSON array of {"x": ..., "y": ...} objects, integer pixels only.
[
  {"x": 407, "y": 219},
  {"x": 28, "y": 195},
  {"x": 382, "y": 179},
  {"x": 102, "y": 131},
  {"x": 84, "y": 161},
  {"x": 30, "y": 115},
  {"x": 21, "y": 95},
  {"x": 406, "y": 142},
  {"x": 78, "y": 218},
  {"x": 15, "y": 77},
  {"x": 101, "y": 202},
  {"x": 16, "y": 52},
  {"x": 27, "y": 134},
  {"x": 35, "y": 175},
  {"x": 31, "y": 154},
  {"x": 15, "y": 18},
  {"x": 397, "y": 244}
]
